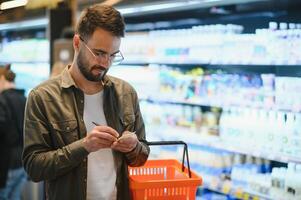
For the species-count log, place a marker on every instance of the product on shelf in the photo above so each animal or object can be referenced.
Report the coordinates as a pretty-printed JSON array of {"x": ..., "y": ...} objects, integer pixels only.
[
  {"x": 173, "y": 102},
  {"x": 216, "y": 44}
]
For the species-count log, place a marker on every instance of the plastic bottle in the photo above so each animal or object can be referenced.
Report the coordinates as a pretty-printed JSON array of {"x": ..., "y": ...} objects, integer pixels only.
[
  {"x": 280, "y": 137},
  {"x": 290, "y": 181}
]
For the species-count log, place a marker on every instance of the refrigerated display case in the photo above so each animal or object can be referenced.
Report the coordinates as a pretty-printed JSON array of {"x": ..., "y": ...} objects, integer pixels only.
[{"x": 230, "y": 93}]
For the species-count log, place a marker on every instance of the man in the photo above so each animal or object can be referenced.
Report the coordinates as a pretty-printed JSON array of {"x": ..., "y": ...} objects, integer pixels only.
[
  {"x": 12, "y": 105},
  {"x": 83, "y": 127}
]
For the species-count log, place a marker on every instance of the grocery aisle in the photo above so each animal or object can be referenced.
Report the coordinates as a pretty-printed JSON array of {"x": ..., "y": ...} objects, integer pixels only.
[{"x": 222, "y": 76}]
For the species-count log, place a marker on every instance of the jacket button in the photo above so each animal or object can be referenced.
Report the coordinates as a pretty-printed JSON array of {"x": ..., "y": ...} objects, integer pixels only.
[
  {"x": 68, "y": 128},
  {"x": 82, "y": 101}
]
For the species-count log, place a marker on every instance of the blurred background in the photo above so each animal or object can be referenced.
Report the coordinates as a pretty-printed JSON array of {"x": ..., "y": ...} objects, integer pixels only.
[{"x": 221, "y": 75}]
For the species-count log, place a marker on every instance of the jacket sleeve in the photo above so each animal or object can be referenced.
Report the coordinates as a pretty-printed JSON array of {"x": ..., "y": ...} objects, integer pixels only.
[
  {"x": 138, "y": 156},
  {"x": 3, "y": 116},
  {"x": 41, "y": 161}
]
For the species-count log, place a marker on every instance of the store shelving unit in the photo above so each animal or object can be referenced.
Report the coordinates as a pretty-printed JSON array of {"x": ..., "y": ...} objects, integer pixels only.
[
  {"x": 189, "y": 134},
  {"x": 30, "y": 64},
  {"x": 27, "y": 42},
  {"x": 224, "y": 187},
  {"x": 215, "y": 142}
]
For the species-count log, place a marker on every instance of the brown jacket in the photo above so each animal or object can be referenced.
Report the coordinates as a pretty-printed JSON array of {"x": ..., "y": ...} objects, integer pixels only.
[{"x": 54, "y": 129}]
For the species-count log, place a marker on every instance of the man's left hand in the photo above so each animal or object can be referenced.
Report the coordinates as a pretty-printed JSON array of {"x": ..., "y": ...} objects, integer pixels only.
[{"x": 126, "y": 143}]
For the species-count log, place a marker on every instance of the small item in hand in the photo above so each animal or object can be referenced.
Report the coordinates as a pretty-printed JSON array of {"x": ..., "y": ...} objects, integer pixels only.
[{"x": 125, "y": 136}]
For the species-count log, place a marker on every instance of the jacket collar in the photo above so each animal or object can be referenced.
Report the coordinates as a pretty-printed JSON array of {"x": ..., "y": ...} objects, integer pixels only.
[{"x": 67, "y": 80}]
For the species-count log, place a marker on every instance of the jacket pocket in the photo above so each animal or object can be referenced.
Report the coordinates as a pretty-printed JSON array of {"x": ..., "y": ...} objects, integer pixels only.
[{"x": 65, "y": 132}]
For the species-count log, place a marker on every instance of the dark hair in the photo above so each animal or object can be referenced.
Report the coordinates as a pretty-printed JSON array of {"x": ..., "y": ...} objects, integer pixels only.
[
  {"x": 100, "y": 16},
  {"x": 8, "y": 74}
]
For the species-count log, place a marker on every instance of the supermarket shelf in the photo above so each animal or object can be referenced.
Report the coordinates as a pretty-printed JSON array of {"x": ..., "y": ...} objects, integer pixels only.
[
  {"x": 132, "y": 61},
  {"x": 214, "y": 103},
  {"x": 278, "y": 69},
  {"x": 164, "y": 62},
  {"x": 23, "y": 62},
  {"x": 216, "y": 142},
  {"x": 162, "y": 101},
  {"x": 225, "y": 187},
  {"x": 26, "y": 24},
  {"x": 289, "y": 70}
]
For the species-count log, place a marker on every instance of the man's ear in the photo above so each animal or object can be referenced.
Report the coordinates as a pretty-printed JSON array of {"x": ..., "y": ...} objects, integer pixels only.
[{"x": 76, "y": 42}]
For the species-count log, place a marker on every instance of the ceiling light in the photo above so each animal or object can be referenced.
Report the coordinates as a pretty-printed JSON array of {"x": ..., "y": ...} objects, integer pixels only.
[
  {"x": 12, "y": 4},
  {"x": 26, "y": 24},
  {"x": 157, "y": 7},
  {"x": 176, "y": 5}
]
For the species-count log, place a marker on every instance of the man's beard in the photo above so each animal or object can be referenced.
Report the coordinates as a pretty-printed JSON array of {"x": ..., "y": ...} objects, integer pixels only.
[{"x": 82, "y": 62}]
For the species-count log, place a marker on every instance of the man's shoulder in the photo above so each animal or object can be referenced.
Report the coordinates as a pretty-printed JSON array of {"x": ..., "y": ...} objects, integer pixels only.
[
  {"x": 122, "y": 85},
  {"x": 48, "y": 87}
]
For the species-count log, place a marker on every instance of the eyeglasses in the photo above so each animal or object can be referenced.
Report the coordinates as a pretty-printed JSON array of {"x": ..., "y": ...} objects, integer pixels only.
[{"x": 114, "y": 59}]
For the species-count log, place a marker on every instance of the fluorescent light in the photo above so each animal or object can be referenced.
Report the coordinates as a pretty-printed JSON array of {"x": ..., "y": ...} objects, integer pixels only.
[
  {"x": 12, "y": 4},
  {"x": 26, "y": 24},
  {"x": 168, "y": 6},
  {"x": 157, "y": 7}
]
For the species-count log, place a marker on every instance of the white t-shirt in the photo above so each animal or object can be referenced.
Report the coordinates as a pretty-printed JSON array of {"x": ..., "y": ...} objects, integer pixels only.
[{"x": 101, "y": 167}]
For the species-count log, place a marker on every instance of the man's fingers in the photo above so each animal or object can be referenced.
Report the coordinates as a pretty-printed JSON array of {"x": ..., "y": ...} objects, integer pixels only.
[
  {"x": 107, "y": 129},
  {"x": 103, "y": 136},
  {"x": 123, "y": 147}
]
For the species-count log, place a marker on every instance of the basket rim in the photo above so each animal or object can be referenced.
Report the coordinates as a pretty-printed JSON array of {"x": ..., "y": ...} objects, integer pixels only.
[{"x": 195, "y": 180}]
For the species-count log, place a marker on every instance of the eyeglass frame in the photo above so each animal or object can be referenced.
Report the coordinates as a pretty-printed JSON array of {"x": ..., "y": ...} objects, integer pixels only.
[{"x": 103, "y": 54}]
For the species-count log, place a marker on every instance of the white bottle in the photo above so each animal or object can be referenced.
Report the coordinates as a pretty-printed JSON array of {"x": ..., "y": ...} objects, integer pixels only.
[
  {"x": 270, "y": 131},
  {"x": 290, "y": 180},
  {"x": 289, "y": 136},
  {"x": 278, "y": 183},
  {"x": 298, "y": 182},
  {"x": 295, "y": 141},
  {"x": 274, "y": 183},
  {"x": 279, "y": 131}
]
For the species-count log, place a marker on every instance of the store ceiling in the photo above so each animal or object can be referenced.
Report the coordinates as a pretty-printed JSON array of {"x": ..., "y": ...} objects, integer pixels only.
[
  {"x": 164, "y": 4},
  {"x": 132, "y": 8},
  {"x": 138, "y": 8}
]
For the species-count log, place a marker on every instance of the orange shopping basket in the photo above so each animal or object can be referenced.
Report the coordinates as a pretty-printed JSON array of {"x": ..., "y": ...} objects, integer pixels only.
[{"x": 164, "y": 179}]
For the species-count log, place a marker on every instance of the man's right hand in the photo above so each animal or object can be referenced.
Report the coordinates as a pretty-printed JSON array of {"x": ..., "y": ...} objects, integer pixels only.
[{"x": 100, "y": 137}]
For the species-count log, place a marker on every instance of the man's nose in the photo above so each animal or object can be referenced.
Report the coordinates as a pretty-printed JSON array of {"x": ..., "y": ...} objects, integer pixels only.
[{"x": 105, "y": 60}]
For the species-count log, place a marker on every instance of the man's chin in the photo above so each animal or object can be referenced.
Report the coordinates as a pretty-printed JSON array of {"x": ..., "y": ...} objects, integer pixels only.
[{"x": 96, "y": 79}]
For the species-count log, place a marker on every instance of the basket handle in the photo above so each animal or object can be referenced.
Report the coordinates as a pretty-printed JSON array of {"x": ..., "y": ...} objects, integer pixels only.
[{"x": 185, "y": 151}]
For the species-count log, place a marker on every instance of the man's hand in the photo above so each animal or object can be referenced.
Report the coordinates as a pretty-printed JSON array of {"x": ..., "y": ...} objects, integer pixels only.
[
  {"x": 100, "y": 137},
  {"x": 126, "y": 143}
]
